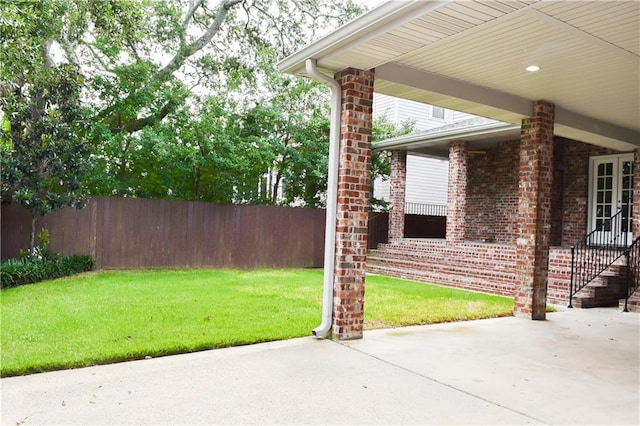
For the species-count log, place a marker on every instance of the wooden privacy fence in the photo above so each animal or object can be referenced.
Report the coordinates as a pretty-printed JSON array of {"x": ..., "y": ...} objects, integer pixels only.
[{"x": 141, "y": 233}]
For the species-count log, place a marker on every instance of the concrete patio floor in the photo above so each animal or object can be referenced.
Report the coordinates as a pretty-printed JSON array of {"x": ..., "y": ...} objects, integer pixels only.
[{"x": 577, "y": 367}]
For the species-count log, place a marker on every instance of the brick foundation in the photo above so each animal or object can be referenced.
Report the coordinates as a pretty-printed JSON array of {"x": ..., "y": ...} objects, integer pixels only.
[
  {"x": 485, "y": 267},
  {"x": 559, "y": 276},
  {"x": 490, "y": 268},
  {"x": 397, "y": 193},
  {"x": 353, "y": 202},
  {"x": 534, "y": 212}
]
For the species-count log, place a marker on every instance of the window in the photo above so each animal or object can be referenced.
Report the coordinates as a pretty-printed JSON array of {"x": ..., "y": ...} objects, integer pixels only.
[{"x": 437, "y": 112}]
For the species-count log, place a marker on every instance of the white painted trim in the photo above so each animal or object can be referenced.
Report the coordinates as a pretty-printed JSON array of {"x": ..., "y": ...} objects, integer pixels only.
[
  {"x": 432, "y": 137},
  {"x": 591, "y": 182}
]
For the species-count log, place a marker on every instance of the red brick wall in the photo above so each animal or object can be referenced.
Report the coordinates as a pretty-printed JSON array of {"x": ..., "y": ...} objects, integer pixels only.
[
  {"x": 492, "y": 194},
  {"x": 559, "y": 276},
  {"x": 576, "y": 189},
  {"x": 353, "y": 202},
  {"x": 486, "y": 267},
  {"x": 560, "y": 146},
  {"x": 492, "y": 188},
  {"x": 481, "y": 197}
]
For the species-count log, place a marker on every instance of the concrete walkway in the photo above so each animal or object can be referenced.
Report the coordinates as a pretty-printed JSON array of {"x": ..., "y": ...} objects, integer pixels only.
[{"x": 577, "y": 367}]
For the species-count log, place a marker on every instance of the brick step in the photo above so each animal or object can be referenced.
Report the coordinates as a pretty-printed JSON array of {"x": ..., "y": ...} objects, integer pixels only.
[
  {"x": 604, "y": 291},
  {"x": 634, "y": 302},
  {"x": 410, "y": 274},
  {"x": 453, "y": 280},
  {"x": 436, "y": 257},
  {"x": 590, "y": 302},
  {"x": 458, "y": 268}
]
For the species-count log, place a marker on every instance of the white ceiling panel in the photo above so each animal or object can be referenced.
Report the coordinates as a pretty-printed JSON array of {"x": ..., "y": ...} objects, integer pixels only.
[{"x": 588, "y": 51}]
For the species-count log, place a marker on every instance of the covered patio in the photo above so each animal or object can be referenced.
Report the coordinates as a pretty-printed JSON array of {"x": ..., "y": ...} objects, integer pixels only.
[{"x": 556, "y": 69}]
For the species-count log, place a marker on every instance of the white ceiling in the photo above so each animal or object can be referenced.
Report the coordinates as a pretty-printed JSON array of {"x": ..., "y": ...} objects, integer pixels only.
[{"x": 471, "y": 56}]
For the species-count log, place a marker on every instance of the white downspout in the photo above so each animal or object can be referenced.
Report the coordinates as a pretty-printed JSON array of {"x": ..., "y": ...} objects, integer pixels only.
[{"x": 332, "y": 195}]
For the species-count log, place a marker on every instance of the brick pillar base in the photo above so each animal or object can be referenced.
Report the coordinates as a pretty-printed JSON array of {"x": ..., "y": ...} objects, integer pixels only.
[
  {"x": 534, "y": 212},
  {"x": 353, "y": 203},
  {"x": 397, "y": 191},
  {"x": 457, "y": 192}
]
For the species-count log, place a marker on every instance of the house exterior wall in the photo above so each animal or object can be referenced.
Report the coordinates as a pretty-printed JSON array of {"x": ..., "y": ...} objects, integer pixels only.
[
  {"x": 492, "y": 197},
  {"x": 426, "y": 181},
  {"x": 402, "y": 110},
  {"x": 576, "y": 189},
  {"x": 493, "y": 186},
  {"x": 486, "y": 267},
  {"x": 426, "y": 177}
]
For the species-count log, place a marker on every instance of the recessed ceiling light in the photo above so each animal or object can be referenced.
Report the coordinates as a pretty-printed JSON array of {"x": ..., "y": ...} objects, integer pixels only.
[{"x": 532, "y": 68}]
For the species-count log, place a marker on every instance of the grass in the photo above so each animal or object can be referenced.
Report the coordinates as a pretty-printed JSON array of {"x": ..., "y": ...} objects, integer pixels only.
[{"x": 112, "y": 316}]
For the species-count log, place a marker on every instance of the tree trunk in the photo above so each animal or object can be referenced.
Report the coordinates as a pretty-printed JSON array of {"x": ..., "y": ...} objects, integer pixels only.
[{"x": 32, "y": 242}]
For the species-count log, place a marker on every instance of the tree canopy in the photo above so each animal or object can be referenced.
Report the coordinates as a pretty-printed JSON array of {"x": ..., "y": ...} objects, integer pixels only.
[{"x": 164, "y": 99}]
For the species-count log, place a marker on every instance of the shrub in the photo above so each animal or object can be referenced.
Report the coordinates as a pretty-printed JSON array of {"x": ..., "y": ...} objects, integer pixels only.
[{"x": 41, "y": 264}]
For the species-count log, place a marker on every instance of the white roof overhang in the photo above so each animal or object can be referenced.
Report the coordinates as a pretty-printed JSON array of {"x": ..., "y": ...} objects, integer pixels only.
[
  {"x": 471, "y": 56},
  {"x": 434, "y": 143}
]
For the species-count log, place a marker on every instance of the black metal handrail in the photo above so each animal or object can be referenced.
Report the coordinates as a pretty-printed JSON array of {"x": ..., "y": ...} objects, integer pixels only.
[
  {"x": 633, "y": 270},
  {"x": 596, "y": 251}
]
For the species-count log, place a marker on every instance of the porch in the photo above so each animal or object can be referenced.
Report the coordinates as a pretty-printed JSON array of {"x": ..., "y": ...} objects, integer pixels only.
[
  {"x": 519, "y": 64},
  {"x": 492, "y": 268},
  {"x": 480, "y": 251}
]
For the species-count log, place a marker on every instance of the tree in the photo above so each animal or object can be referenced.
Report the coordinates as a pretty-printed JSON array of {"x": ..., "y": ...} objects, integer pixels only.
[
  {"x": 383, "y": 129},
  {"x": 238, "y": 64},
  {"x": 150, "y": 64},
  {"x": 44, "y": 153}
]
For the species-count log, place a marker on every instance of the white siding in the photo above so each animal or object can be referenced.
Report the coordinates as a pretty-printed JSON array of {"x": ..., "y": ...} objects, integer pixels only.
[
  {"x": 381, "y": 189},
  {"x": 385, "y": 106},
  {"x": 459, "y": 116},
  {"x": 427, "y": 180},
  {"x": 401, "y": 110}
]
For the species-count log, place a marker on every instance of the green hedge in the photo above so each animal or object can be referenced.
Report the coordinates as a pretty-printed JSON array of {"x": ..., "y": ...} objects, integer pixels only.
[{"x": 32, "y": 269}]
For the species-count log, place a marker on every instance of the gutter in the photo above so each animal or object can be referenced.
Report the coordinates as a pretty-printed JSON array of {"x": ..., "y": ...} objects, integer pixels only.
[
  {"x": 420, "y": 139},
  {"x": 332, "y": 195}
]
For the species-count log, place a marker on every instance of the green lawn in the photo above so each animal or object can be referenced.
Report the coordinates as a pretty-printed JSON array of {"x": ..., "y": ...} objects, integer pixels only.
[{"x": 110, "y": 316}]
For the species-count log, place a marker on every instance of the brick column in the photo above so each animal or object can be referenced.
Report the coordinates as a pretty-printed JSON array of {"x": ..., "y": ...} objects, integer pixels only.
[
  {"x": 635, "y": 224},
  {"x": 353, "y": 202},
  {"x": 534, "y": 212},
  {"x": 397, "y": 191},
  {"x": 457, "y": 192}
]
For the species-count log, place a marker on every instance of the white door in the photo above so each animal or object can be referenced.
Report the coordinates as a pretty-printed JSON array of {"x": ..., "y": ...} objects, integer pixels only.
[{"x": 611, "y": 197}]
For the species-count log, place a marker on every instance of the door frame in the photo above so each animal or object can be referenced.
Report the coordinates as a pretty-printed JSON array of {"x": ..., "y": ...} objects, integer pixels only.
[{"x": 591, "y": 199}]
